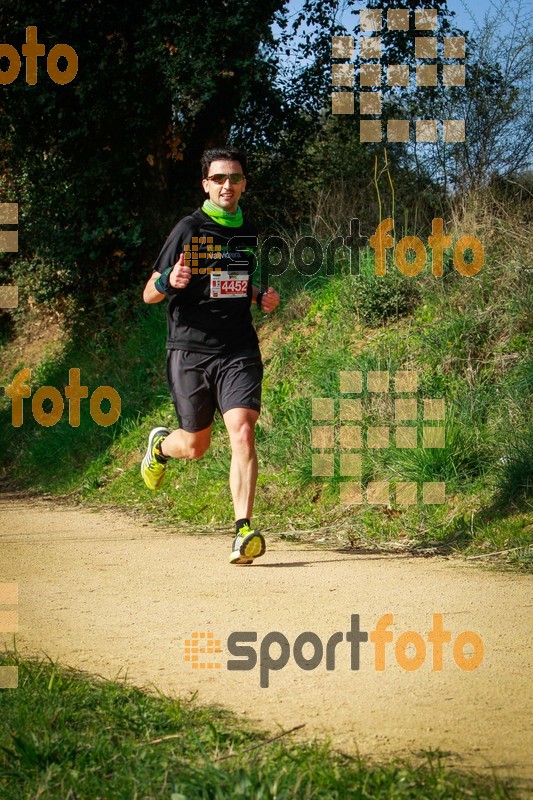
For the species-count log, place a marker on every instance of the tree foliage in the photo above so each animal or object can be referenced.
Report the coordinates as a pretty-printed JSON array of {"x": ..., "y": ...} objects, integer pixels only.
[
  {"x": 97, "y": 164},
  {"x": 102, "y": 166}
]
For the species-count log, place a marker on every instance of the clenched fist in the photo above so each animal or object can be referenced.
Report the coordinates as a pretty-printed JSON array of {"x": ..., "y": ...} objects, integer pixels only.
[
  {"x": 270, "y": 300},
  {"x": 180, "y": 275}
]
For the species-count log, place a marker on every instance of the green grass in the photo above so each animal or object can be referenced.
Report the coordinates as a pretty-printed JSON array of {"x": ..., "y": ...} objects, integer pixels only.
[
  {"x": 468, "y": 340},
  {"x": 65, "y": 735},
  {"x": 514, "y": 472}
]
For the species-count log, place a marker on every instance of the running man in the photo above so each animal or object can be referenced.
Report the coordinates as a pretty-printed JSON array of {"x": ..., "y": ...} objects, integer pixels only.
[{"x": 213, "y": 356}]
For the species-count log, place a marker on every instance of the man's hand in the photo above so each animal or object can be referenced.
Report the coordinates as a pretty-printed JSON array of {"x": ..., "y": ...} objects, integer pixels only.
[
  {"x": 270, "y": 300},
  {"x": 180, "y": 275}
]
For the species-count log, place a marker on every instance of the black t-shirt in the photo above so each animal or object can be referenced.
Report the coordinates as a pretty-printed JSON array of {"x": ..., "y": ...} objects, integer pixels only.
[{"x": 196, "y": 321}]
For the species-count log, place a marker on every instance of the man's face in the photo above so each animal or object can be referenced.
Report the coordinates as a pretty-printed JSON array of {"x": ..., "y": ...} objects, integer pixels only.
[{"x": 225, "y": 196}]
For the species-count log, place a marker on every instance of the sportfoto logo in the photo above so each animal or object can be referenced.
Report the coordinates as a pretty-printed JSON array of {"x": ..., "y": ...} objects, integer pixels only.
[
  {"x": 371, "y": 75},
  {"x": 409, "y": 649},
  {"x": 308, "y": 255}
]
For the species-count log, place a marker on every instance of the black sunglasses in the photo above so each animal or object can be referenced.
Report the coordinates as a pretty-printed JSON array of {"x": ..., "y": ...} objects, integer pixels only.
[{"x": 235, "y": 177}]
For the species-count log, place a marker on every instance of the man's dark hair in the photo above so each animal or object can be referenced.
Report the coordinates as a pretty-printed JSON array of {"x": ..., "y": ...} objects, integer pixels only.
[{"x": 222, "y": 154}]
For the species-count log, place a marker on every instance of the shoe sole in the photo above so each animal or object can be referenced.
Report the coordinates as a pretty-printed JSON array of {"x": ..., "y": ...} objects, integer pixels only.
[
  {"x": 253, "y": 546},
  {"x": 145, "y": 463}
]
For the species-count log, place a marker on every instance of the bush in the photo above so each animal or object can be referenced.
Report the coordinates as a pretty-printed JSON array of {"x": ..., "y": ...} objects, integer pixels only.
[
  {"x": 381, "y": 298},
  {"x": 514, "y": 473}
]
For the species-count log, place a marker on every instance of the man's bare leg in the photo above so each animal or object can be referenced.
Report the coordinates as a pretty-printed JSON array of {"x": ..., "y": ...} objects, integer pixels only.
[
  {"x": 183, "y": 444},
  {"x": 240, "y": 424},
  {"x": 163, "y": 445}
]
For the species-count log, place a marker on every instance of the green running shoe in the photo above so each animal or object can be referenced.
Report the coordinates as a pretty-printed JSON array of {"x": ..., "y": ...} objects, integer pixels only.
[
  {"x": 249, "y": 544},
  {"x": 152, "y": 469}
]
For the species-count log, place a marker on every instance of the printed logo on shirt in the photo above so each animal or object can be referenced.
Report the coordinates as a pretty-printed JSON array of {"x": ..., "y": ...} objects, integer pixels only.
[{"x": 193, "y": 254}]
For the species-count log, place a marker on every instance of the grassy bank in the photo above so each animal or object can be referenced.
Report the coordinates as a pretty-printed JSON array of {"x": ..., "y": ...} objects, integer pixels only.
[
  {"x": 65, "y": 734},
  {"x": 467, "y": 339}
]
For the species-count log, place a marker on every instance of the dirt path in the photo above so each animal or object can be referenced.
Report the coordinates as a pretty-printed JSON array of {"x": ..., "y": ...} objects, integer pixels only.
[{"x": 107, "y": 594}]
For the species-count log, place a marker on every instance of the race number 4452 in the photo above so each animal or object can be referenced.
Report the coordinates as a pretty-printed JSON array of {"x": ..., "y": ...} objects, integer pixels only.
[{"x": 229, "y": 284}]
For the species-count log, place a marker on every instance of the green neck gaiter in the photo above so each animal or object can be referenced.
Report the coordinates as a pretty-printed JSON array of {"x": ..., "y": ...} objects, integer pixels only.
[{"x": 223, "y": 217}]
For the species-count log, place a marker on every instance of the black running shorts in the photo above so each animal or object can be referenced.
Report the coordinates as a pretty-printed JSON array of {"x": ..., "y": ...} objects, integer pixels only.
[{"x": 202, "y": 382}]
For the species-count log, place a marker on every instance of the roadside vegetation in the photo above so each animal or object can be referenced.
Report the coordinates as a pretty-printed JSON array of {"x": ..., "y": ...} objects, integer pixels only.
[
  {"x": 98, "y": 193},
  {"x": 468, "y": 339},
  {"x": 64, "y": 733}
]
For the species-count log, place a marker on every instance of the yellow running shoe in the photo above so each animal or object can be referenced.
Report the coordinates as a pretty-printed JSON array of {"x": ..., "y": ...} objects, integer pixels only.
[
  {"x": 247, "y": 545},
  {"x": 154, "y": 463}
]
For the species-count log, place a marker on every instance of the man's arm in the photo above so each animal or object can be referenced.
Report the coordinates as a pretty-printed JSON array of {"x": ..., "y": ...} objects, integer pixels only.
[
  {"x": 269, "y": 299},
  {"x": 150, "y": 294},
  {"x": 178, "y": 278}
]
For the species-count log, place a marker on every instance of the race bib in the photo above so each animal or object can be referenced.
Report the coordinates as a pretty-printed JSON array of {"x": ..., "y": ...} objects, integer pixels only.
[{"x": 229, "y": 284}]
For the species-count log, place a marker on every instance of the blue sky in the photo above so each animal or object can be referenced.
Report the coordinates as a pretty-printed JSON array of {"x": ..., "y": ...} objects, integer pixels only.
[{"x": 470, "y": 13}]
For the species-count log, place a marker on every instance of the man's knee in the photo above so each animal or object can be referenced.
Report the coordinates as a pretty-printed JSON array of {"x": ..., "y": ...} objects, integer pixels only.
[{"x": 243, "y": 435}]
